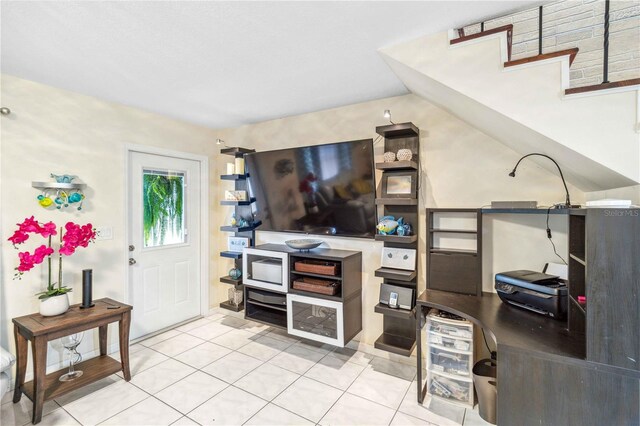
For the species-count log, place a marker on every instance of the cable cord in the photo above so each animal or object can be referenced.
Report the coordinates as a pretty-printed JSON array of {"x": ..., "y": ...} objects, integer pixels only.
[{"x": 550, "y": 237}]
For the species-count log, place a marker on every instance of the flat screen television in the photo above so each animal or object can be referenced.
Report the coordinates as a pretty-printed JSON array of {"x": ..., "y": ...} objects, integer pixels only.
[{"x": 322, "y": 189}]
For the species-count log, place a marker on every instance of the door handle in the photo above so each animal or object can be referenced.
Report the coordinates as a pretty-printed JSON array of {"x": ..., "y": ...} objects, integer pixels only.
[{"x": 132, "y": 261}]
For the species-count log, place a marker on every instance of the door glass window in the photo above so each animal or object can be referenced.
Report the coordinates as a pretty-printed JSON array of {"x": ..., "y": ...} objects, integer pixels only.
[
  {"x": 320, "y": 320},
  {"x": 163, "y": 208}
]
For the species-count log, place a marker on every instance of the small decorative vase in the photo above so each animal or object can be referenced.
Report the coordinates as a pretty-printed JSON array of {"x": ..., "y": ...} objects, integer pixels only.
[
  {"x": 235, "y": 273},
  {"x": 389, "y": 157},
  {"x": 56, "y": 305},
  {"x": 404, "y": 155}
]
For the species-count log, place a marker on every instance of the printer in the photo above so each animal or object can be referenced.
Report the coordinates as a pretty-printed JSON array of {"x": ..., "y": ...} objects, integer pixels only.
[{"x": 535, "y": 291}]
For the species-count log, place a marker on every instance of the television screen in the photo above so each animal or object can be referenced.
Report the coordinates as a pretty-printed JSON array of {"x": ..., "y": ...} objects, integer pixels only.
[{"x": 323, "y": 189}]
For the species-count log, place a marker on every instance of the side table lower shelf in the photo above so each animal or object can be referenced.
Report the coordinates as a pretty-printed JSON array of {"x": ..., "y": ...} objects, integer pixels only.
[{"x": 92, "y": 369}]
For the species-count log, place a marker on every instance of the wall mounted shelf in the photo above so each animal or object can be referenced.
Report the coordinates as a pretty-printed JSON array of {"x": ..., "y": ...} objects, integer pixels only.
[
  {"x": 397, "y": 238},
  {"x": 243, "y": 229},
  {"x": 397, "y": 165},
  {"x": 56, "y": 185},
  {"x": 395, "y": 274},
  {"x": 237, "y": 203},
  {"x": 397, "y": 201},
  {"x": 231, "y": 254},
  {"x": 234, "y": 177},
  {"x": 398, "y": 313},
  {"x": 228, "y": 280}
]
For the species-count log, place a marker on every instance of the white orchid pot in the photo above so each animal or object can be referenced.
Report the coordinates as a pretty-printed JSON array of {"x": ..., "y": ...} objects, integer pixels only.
[{"x": 56, "y": 305}]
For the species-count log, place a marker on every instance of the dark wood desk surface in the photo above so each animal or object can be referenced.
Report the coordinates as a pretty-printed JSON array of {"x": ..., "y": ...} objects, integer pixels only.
[
  {"x": 36, "y": 324},
  {"x": 508, "y": 325}
]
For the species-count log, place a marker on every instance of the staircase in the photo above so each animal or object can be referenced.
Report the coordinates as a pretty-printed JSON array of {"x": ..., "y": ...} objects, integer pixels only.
[{"x": 593, "y": 131}]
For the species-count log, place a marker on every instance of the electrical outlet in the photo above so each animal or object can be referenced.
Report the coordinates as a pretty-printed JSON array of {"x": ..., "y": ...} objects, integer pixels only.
[{"x": 104, "y": 233}]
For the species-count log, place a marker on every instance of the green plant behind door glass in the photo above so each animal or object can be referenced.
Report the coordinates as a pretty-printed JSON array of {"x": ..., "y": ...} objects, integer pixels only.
[{"x": 163, "y": 201}]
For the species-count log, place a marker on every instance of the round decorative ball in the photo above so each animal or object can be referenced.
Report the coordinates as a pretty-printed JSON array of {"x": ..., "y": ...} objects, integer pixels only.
[
  {"x": 404, "y": 155},
  {"x": 389, "y": 157},
  {"x": 235, "y": 273}
]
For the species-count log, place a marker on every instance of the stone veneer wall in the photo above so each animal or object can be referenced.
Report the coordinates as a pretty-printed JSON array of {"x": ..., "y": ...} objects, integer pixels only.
[{"x": 579, "y": 23}]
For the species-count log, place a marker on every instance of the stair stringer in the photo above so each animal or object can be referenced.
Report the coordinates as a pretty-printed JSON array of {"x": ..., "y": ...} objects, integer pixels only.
[{"x": 524, "y": 107}]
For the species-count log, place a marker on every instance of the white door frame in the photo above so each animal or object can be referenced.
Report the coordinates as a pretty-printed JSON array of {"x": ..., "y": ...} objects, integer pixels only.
[{"x": 204, "y": 216}]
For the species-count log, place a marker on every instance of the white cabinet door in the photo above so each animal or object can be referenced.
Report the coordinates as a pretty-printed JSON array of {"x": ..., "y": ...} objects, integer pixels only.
[
  {"x": 315, "y": 319},
  {"x": 265, "y": 269}
]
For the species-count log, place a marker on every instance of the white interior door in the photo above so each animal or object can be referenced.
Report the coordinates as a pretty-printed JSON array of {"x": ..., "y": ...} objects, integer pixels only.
[{"x": 164, "y": 238}]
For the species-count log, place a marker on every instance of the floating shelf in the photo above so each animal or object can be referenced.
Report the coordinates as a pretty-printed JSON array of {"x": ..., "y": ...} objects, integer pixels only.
[
  {"x": 237, "y": 229},
  {"x": 454, "y": 251},
  {"x": 228, "y": 280},
  {"x": 397, "y": 238},
  {"x": 236, "y": 151},
  {"x": 397, "y": 165},
  {"x": 454, "y": 231},
  {"x": 231, "y": 254},
  {"x": 397, "y": 201},
  {"x": 230, "y": 306},
  {"x": 397, "y": 344},
  {"x": 56, "y": 185},
  {"x": 400, "y": 130},
  {"x": 234, "y": 177},
  {"x": 237, "y": 203},
  {"x": 397, "y": 313},
  {"x": 395, "y": 274}
]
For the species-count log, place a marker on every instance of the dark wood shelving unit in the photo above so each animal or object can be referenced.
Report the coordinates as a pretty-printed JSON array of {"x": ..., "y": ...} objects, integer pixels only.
[
  {"x": 399, "y": 326},
  {"x": 453, "y": 269},
  {"x": 577, "y": 318},
  {"x": 242, "y": 209}
]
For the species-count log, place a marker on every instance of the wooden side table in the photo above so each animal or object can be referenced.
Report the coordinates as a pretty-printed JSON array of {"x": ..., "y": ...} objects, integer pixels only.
[{"x": 39, "y": 330}]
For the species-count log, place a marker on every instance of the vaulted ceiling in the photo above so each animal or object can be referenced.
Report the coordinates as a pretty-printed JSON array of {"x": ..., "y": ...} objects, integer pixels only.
[{"x": 223, "y": 64}]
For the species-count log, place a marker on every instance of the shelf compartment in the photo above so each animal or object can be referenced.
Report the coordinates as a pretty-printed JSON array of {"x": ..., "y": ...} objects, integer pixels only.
[
  {"x": 311, "y": 274},
  {"x": 454, "y": 251},
  {"x": 94, "y": 369},
  {"x": 231, "y": 307},
  {"x": 396, "y": 201},
  {"x": 397, "y": 313},
  {"x": 398, "y": 130},
  {"x": 266, "y": 305},
  {"x": 397, "y": 239},
  {"x": 231, "y": 254},
  {"x": 237, "y": 203},
  {"x": 454, "y": 231},
  {"x": 228, "y": 280},
  {"x": 336, "y": 298},
  {"x": 234, "y": 177},
  {"x": 398, "y": 165},
  {"x": 395, "y": 274},
  {"x": 243, "y": 229},
  {"x": 266, "y": 316},
  {"x": 396, "y": 344}
]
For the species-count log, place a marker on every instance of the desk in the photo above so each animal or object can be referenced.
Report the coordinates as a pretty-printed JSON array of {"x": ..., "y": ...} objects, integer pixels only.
[
  {"x": 543, "y": 377},
  {"x": 38, "y": 330}
]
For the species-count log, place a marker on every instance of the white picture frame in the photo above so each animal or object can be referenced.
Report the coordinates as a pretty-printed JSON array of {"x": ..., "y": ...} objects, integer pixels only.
[
  {"x": 237, "y": 244},
  {"x": 397, "y": 258}
]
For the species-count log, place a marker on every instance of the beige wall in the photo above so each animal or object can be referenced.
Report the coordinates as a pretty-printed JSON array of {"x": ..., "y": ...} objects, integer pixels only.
[
  {"x": 52, "y": 130},
  {"x": 55, "y": 130},
  {"x": 461, "y": 167}
]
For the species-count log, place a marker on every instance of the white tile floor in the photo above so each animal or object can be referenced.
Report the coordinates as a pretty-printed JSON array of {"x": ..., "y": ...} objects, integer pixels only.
[{"x": 223, "y": 370}]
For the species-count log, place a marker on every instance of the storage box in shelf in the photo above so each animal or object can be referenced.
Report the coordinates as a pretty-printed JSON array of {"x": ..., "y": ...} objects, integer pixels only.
[
  {"x": 316, "y": 267},
  {"x": 449, "y": 363},
  {"x": 457, "y": 390},
  {"x": 315, "y": 285}
]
